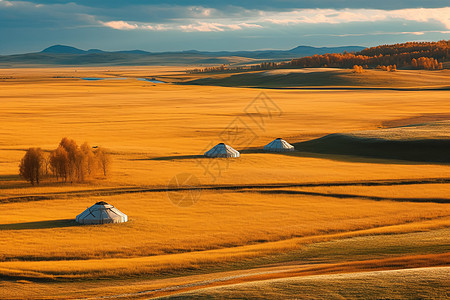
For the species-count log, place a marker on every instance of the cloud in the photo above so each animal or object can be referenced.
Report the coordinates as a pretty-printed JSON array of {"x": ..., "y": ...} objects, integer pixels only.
[
  {"x": 6, "y": 3},
  {"x": 215, "y": 21},
  {"x": 119, "y": 25},
  {"x": 194, "y": 27},
  {"x": 209, "y": 27},
  {"x": 414, "y": 33},
  {"x": 441, "y": 15},
  {"x": 201, "y": 11},
  {"x": 380, "y": 33},
  {"x": 317, "y": 16},
  {"x": 333, "y": 16},
  {"x": 139, "y": 15},
  {"x": 202, "y": 27},
  {"x": 25, "y": 14},
  {"x": 273, "y": 5},
  {"x": 233, "y": 24}
]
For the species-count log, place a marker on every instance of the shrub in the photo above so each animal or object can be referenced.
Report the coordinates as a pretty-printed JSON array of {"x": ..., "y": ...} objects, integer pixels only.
[{"x": 31, "y": 165}]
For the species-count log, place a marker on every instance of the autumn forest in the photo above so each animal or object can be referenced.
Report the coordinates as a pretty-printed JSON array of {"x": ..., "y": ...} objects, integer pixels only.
[{"x": 411, "y": 55}]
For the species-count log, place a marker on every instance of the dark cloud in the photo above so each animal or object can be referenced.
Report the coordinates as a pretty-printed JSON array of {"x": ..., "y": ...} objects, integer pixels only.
[
  {"x": 27, "y": 26},
  {"x": 28, "y": 15},
  {"x": 262, "y": 4}
]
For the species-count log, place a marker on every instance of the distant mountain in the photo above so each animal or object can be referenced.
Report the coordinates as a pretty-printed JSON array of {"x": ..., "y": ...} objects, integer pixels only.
[
  {"x": 297, "y": 51},
  {"x": 62, "y": 49},
  {"x": 93, "y": 51},
  {"x": 322, "y": 50},
  {"x": 134, "y": 52},
  {"x": 71, "y": 56}
]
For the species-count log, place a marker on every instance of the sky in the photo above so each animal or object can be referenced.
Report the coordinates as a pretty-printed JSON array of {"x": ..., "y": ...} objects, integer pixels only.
[{"x": 31, "y": 26}]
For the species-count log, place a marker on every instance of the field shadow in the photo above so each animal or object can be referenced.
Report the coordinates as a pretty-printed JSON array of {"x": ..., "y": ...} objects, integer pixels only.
[
  {"x": 334, "y": 157},
  {"x": 343, "y": 156},
  {"x": 40, "y": 225},
  {"x": 423, "y": 150},
  {"x": 289, "y": 80},
  {"x": 9, "y": 177},
  {"x": 16, "y": 182},
  {"x": 419, "y": 119},
  {"x": 174, "y": 157},
  {"x": 21, "y": 184},
  {"x": 353, "y": 158},
  {"x": 12, "y": 181},
  {"x": 314, "y": 80},
  {"x": 348, "y": 196},
  {"x": 253, "y": 151}
]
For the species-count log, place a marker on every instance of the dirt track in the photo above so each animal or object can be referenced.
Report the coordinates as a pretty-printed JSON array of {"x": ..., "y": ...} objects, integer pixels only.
[
  {"x": 294, "y": 269},
  {"x": 265, "y": 188}
]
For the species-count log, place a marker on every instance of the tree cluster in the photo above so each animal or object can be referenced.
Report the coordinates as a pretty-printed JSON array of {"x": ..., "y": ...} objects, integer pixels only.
[
  {"x": 427, "y": 63},
  {"x": 358, "y": 69},
  {"x": 68, "y": 163},
  {"x": 419, "y": 55},
  {"x": 390, "y": 68}
]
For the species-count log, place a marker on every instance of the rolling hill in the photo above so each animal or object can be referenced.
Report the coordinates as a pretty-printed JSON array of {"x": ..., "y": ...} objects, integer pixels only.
[
  {"x": 325, "y": 78},
  {"x": 428, "y": 142},
  {"x": 71, "y": 56}
]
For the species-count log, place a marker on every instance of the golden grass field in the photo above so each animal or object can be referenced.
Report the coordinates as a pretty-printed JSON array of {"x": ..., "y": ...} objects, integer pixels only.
[{"x": 263, "y": 225}]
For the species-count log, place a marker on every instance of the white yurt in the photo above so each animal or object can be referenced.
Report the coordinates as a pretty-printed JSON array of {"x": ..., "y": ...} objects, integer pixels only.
[
  {"x": 222, "y": 150},
  {"x": 279, "y": 145},
  {"x": 101, "y": 213}
]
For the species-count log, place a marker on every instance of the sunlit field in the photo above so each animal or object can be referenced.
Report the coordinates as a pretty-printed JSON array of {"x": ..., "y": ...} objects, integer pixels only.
[
  {"x": 429, "y": 283},
  {"x": 261, "y": 221}
]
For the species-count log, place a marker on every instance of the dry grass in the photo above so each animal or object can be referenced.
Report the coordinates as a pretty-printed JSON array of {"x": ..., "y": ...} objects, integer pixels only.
[
  {"x": 423, "y": 283},
  {"x": 219, "y": 220},
  {"x": 424, "y": 191},
  {"x": 317, "y": 258},
  {"x": 329, "y": 77},
  {"x": 153, "y": 130}
]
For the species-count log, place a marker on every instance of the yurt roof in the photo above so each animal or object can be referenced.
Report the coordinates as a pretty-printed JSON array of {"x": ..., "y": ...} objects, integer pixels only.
[
  {"x": 279, "y": 145},
  {"x": 101, "y": 213},
  {"x": 222, "y": 150}
]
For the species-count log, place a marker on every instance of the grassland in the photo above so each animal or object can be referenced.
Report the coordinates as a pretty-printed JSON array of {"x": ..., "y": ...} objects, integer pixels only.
[
  {"x": 329, "y": 77},
  {"x": 422, "y": 142},
  {"x": 40, "y": 60},
  {"x": 293, "y": 213},
  {"x": 429, "y": 283}
]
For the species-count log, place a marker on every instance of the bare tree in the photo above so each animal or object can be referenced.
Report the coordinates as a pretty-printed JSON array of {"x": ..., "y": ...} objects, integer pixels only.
[
  {"x": 68, "y": 162},
  {"x": 103, "y": 159},
  {"x": 46, "y": 161},
  {"x": 31, "y": 165},
  {"x": 59, "y": 163},
  {"x": 89, "y": 162},
  {"x": 73, "y": 156}
]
